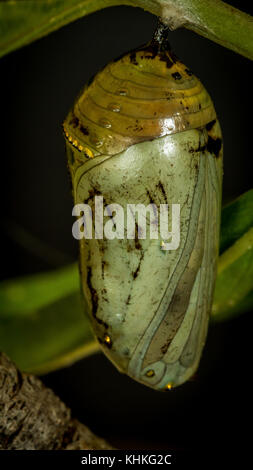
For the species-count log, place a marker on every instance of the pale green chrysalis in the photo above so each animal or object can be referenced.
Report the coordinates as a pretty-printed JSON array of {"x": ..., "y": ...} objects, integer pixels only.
[{"x": 145, "y": 131}]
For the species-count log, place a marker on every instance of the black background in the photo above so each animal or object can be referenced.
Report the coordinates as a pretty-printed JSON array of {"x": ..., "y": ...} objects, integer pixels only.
[{"x": 38, "y": 86}]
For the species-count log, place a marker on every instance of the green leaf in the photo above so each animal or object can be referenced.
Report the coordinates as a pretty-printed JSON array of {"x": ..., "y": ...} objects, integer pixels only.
[
  {"x": 24, "y": 21},
  {"x": 23, "y": 296},
  {"x": 234, "y": 286},
  {"x": 234, "y": 283},
  {"x": 48, "y": 338},
  {"x": 237, "y": 218}
]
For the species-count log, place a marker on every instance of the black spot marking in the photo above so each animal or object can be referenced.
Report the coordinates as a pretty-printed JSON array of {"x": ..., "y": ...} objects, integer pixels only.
[
  {"x": 136, "y": 272},
  {"x": 210, "y": 125},
  {"x": 104, "y": 263},
  {"x": 136, "y": 239},
  {"x": 104, "y": 343},
  {"x": 92, "y": 193},
  {"x": 161, "y": 187},
  {"x": 189, "y": 72},
  {"x": 94, "y": 299},
  {"x": 214, "y": 146},
  {"x": 133, "y": 58},
  {"x": 74, "y": 121},
  {"x": 165, "y": 57},
  {"x": 102, "y": 248},
  {"x": 94, "y": 295},
  {"x": 200, "y": 106},
  {"x": 126, "y": 352},
  {"x": 151, "y": 199},
  {"x": 137, "y": 244},
  {"x": 84, "y": 130},
  {"x": 128, "y": 299},
  {"x": 164, "y": 348},
  {"x": 136, "y": 127},
  {"x": 200, "y": 148},
  {"x": 176, "y": 76}
]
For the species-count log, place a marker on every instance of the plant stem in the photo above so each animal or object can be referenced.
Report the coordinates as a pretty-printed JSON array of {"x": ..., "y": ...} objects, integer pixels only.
[{"x": 212, "y": 19}]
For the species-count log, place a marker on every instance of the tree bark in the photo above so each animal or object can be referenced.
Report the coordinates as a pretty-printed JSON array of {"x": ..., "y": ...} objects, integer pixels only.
[{"x": 32, "y": 417}]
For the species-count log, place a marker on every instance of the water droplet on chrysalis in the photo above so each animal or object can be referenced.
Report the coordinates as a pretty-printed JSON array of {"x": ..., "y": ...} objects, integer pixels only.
[
  {"x": 114, "y": 107},
  {"x": 105, "y": 123},
  {"x": 122, "y": 91},
  {"x": 96, "y": 141}
]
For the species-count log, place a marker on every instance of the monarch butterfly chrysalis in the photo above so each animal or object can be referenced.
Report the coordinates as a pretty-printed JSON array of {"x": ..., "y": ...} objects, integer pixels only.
[{"x": 145, "y": 131}]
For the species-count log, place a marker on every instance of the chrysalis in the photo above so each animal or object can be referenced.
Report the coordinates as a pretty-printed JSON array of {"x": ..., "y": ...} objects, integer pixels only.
[{"x": 145, "y": 131}]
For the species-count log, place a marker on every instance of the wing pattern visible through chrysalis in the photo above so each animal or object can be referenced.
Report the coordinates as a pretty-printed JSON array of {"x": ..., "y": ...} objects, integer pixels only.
[{"x": 183, "y": 323}]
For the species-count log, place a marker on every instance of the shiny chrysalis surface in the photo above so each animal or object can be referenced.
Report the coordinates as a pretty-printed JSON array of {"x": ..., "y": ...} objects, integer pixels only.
[{"x": 145, "y": 131}]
